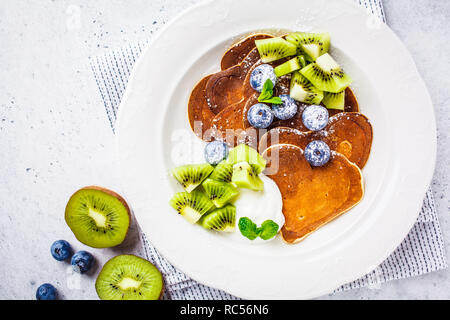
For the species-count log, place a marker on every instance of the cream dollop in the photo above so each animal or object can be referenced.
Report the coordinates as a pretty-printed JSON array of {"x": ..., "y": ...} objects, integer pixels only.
[{"x": 259, "y": 206}]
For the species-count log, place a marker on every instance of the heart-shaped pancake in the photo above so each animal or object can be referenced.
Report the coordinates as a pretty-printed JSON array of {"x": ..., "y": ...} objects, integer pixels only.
[
  {"x": 348, "y": 133},
  {"x": 312, "y": 196}
]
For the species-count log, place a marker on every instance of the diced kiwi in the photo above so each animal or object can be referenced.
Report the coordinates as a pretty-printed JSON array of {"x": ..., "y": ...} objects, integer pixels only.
[
  {"x": 222, "y": 172},
  {"x": 287, "y": 67},
  {"x": 220, "y": 193},
  {"x": 326, "y": 75},
  {"x": 334, "y": 100},
  {"x": 312, "y": 44},
  {"x": 128, "y": 277},
  {"x": 192, "y": 175},
  {"x": 245, "y": 177},
  {"x": 98, "y": 217},
  {"x": 272, "y": 49},
  {"x": 221, "y": 219},
  {"x": 301, "y": 89},
  {"x": 245, "y": 153},
  {"x": 191, "y": 205}
]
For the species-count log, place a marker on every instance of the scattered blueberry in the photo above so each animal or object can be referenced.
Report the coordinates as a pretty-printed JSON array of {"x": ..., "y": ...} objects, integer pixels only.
[
  {"x": 60, "y": 250},
  {"x": 286, "y": 110},
  {"x": 46, "y": 292},
  {"x": 215, "y": 152},
  {"x": 259, "y": 76},
  {"x": 82, "y": 261},
  {"x": 317, "y": 153},
  {"x": 315, "y": 117},
  {"x": 260, "y": 116}
]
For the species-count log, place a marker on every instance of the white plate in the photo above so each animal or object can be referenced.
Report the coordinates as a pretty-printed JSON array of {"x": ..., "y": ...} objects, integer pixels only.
[{"x": 153, "y": 136}]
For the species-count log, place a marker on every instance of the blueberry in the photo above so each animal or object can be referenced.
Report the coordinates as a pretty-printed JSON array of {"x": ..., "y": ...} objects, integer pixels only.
[
  {"x": 259, "y": 76},
  {"x": 82, "y": 261},
  {"x": 46, "y": 292},
  {"x": 60, "y": 250},
  {"x": 260, "y": 116},
  {"x": 317, "y": 153},
  {"x": 215, "y": 152},
  {"x": 315, "y": 117},
  {"x": 286, "y": 110}
]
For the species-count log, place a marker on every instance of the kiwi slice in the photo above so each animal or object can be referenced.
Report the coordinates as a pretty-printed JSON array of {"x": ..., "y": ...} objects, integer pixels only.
[
  {"x": 191, "y": 205},
  {"x": 245, "y": 153},
  {"x": 98, "y": 217},
  {"x": 303, "y": 90},
  {"x": 244, "y": 176},
  {"x": 221, "y": 219},
  {"x": 272, "y": 49},
  {"x": 128, "y": 277},
  {"x": 312, "y": 44},
  {"x": 192, "y": 175},
  {"x": 287, "y": 67},
  {"x": 222, "y": 172},
  {"x": 334, "y": 100},
  {"x": 326, "y": 75},
  {"x": 220, "y": 193}
]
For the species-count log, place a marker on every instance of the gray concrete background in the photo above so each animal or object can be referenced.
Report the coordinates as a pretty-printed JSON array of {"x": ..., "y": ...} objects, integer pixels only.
[{"x": 55, "y": 137}]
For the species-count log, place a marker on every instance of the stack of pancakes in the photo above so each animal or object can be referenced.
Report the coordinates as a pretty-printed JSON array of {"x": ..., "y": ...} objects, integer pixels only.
[{"x": 312, "y": 196}]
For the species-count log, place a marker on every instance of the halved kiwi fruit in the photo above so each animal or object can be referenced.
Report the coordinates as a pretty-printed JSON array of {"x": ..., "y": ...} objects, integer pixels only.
[
  {"x": 245, "y": 177},
  {"x": 312, "y": 44},
  {"x": 245, "y": 153},
  {"x": 334, "y": 100},
  {"x": 192, "y": 175},
  {"x": 272, "y": 49},
  {"x": 301, "y": 89},
  {"x": 98, "y": 217},
  {"x": 221, "y": 219},
  {"x": 222, "y": 172},
  {"x": 220, "y": 193},
  {"x": 191, "y": 205},
  {"x": 128, "y": 277},
  {"x": 325, "y": 74}
]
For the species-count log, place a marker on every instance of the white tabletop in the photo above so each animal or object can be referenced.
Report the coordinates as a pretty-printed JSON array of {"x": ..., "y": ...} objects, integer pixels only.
[{"x": 55, "y": 136}]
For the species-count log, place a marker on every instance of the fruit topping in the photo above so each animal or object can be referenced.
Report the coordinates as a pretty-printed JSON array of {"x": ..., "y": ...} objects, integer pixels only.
[
  {"x": 286, "y": 110},
  {"x": 334, "y": 100},
  {"x": 215, "y": 152},
  {"x": 288, "y": 67},
  {"x": 317, "y": 153},
  {"x": 192, "y": 175},
  {"x": 220, "y": 193},
  {"x": 326, "y": 75},
  {"x": 245, "y": 153},
  {"x": 222, "y": 172},
  {"x": 315, "y": 117},
  {"x": 191, "y": 205},
  {"x": 222, "y": 219},
  {"x": 260, "y": 116},
  {"x": 275, "y": 48},
  {"x": 260, "y": 75},
  {"x": 301, "y": 89},
  {"x": 244, "y": 176},
  {"x": 312, "y": 44}
]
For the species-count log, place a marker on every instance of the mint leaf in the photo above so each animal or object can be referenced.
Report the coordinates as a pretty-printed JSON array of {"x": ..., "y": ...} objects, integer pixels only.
[
  {"x": 267, "y": 91},
  {"x": 269, "y": 229},
  {"x": 273, "y": 100},
  {"x": 248, "y": 228}
]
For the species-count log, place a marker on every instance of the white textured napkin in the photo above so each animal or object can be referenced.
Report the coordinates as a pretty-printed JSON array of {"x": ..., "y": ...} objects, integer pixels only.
[{"x": 421, "y": 252}]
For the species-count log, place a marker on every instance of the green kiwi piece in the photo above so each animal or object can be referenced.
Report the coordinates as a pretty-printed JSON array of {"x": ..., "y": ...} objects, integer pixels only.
[
  {"x": 287, "y": 67},
  {"x": 220, "y": 193},
  {"x": 334, "y": 100},
  {"x": 303, "y": 90},
  {"x": 222, "y": 172},
  {"x": 325, "y": 74},
  {"x": 312, "y": 44},
  {"x": 128, "y": 277},
  {"x": 272, "y": 49},
  {"x": 245, "y": 177},
  {"x": 192, "y": 175},
  {"x": 245, "y": 153},
  {"x": 221, "y": 219},
  {"x": 98, "y": 217},
  {"x": 191, "y": 205}
]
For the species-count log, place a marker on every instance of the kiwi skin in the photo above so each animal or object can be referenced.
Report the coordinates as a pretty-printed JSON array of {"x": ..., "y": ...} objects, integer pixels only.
[
  {"x": 163, "y": 288},
  {"x": 110, "y": 192}
]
